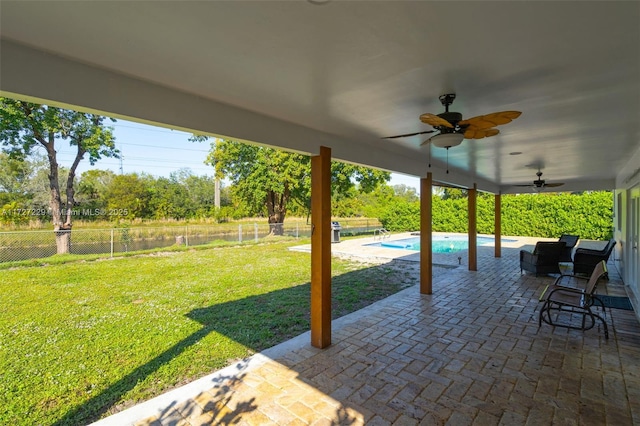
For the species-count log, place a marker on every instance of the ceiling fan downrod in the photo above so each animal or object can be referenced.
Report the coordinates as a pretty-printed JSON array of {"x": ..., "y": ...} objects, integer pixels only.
[{"x": 446, "y": 100}]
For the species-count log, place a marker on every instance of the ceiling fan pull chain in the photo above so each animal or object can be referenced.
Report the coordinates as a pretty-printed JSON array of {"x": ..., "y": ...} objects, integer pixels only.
[
  {"x": 429, "y": 154},
  {"x": 447, "y": 160}
]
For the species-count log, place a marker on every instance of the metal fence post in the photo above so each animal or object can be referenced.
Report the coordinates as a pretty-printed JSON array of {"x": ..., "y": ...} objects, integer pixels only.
[
  {"x": 186, "y": 236},
  {"x": 239, "y": 233},
  {"x": 111, "y": 242},
  {"x": 255, "y": 231},
  {"x": 297, "y": 224}
]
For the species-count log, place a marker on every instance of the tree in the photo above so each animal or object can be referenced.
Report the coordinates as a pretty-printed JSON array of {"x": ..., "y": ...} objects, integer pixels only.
[
  {"x": 406, "y": 192},
  {"x": 169, "y": 199},
  {"x": 92, "y": 187},
  {"x": 15, "y": 173},
  {"x": 453, "y": 193},
  {"x": 263, "y": 177},
  {"x": 128, "y": 197},
  {"x": 270, "y": 179},
  {"x": 201, "y": 192},
  {"x": 26, "y": 125}
]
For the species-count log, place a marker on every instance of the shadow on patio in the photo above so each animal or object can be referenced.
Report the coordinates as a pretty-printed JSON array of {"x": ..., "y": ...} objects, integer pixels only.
[{"x": 471, "y": 353}]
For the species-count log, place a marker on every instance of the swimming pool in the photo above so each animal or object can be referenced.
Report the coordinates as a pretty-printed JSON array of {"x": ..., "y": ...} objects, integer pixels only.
[{"x": 440, "y": 243}]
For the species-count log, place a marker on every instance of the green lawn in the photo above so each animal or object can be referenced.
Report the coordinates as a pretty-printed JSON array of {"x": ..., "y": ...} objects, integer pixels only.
[{"x": 82, "y": 340}]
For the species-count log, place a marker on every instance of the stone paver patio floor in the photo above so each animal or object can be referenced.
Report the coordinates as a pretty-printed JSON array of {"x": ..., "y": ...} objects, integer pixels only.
[{"x": 469, "y": 354}]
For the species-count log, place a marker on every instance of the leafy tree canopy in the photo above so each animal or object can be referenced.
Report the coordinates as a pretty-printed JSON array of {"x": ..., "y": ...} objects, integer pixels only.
[
  {"x": 270, "y": 179},
  {"x": 26, "y": 125}
]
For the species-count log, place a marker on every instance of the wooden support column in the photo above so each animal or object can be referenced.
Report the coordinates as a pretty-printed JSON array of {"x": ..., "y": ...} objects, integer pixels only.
[
  {"x": 426, "y": 253},
  {"x": 321, "y": 249},
  {"x": 472, "y": 195},
  {"x": 497, "y": 217}
]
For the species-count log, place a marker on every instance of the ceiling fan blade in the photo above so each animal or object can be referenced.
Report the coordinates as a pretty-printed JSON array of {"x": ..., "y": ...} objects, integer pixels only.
[
  {"x": 553, "y": 185},
  {"x": 475, "y": 133},
  {"x": 409, "y": 134},
  {"x": 435, "y": 121},
  {"x": 491, "y": 120}
]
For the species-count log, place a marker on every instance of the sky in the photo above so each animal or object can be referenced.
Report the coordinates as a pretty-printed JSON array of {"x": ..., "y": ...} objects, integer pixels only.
[{"x": 159, "y": 151}]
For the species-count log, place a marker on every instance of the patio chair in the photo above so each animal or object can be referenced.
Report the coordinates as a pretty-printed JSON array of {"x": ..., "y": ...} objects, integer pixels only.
[
  {"x": 544, "y": 259},
  {"x": 570, "y": 241},
  {"x": 585, "y": 260},
  {"x": 574, "y": 301}
]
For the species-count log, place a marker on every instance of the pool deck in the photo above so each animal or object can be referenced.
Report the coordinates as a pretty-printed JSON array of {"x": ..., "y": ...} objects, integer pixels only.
[{"x": 362, "y": 248}]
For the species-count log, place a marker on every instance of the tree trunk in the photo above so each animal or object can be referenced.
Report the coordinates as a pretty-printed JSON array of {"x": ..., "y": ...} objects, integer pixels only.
[
  {"x": 63, "y": 240},
  {"x": 70, "y": 190},
  {"x": 60, "y": 229},
  {"x": 277, "y": 209},
  {"x": 275, "y": 224},
  {"x": 62, "y": 218}
]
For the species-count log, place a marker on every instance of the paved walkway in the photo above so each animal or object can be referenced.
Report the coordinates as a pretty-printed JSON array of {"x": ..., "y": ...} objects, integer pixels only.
[{"x": 470, "y": 354}]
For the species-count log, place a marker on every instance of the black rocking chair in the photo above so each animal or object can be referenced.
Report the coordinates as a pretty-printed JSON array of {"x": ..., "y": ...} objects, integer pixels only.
[
  {"x": 544, "y": 259},
  {"x": 570, "y": 241}
]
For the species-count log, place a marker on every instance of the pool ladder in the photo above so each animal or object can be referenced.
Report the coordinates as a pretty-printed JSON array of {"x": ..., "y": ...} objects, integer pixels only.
[{"x": 381, "y": 234}]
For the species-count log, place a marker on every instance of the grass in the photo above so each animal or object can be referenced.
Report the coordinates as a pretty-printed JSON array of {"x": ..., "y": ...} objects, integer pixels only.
[{"x": 83, "y": 339}]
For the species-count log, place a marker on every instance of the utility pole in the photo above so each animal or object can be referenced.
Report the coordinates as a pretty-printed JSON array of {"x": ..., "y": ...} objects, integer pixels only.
[
  {"x": 121, "y": 168},
  {"x": 216, "y": 199}
]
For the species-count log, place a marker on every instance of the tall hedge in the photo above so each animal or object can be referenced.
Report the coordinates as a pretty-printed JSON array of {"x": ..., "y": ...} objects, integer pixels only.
[
  {"x": 401, "y": 215},
  {"x": 589, "y": 215}
]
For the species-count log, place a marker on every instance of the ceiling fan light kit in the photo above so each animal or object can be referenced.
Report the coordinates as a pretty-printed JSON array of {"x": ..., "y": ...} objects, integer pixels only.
[{"x": 446, "y": 140}]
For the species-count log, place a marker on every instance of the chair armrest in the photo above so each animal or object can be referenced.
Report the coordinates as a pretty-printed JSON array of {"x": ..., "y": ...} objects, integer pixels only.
[
  {"x": 527, "y": 256},
  {"x": 566, "y": 290},
  {"x": 558, "y": 281},
  {"x": 590, "y": 252},
  {"x": 549, "y": 290},
  {"x": 588, "y": 257}
]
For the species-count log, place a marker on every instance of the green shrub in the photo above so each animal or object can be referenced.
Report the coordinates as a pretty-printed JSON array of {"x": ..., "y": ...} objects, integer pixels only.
[
  {"x": 589, "y": 215},
  {"x": 401, "y": 215}
]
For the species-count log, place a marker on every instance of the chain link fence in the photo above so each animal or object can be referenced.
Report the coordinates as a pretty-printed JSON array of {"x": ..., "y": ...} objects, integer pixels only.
[{"x": 24, "y": 245}]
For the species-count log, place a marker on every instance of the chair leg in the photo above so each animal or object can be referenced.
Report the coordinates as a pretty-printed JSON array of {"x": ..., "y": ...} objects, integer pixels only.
[
  {"x": 597, "y": 299},
  {"x": 547, "y": 307},
  {"x": 541, "y": 312},
  {"x": 604, "y": 323}
]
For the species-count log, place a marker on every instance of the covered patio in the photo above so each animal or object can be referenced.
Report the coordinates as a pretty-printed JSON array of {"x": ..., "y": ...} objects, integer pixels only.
[
  {"x": 335, "y": 80},
  {"x": 470, "y": 354}
]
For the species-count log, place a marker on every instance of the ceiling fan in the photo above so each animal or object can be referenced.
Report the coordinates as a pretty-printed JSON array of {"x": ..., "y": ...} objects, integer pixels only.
[
  {"x": 540, "y": 183},
  {"x": 453, "y": 129}
]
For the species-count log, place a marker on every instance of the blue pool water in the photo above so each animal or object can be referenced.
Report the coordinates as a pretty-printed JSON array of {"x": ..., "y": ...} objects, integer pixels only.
[{"x": 440, "y": 244}]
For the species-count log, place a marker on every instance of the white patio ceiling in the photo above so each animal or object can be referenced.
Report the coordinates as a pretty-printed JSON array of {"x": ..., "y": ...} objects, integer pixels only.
[{"x": 298, "y": 74}]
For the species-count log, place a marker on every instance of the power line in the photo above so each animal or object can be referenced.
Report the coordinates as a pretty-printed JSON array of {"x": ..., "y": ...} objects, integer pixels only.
[
  {"x": 178, "y": 163},
  {"x": 163, "y": 147},
  {"x": 180, "y": 166},
  {"x": 152, "y": 160}
]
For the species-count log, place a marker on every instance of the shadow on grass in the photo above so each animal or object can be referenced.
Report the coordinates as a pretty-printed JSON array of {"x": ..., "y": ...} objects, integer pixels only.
[
  {"x": 257, "y": 322},
  {"x": 92, "y": 409}
]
